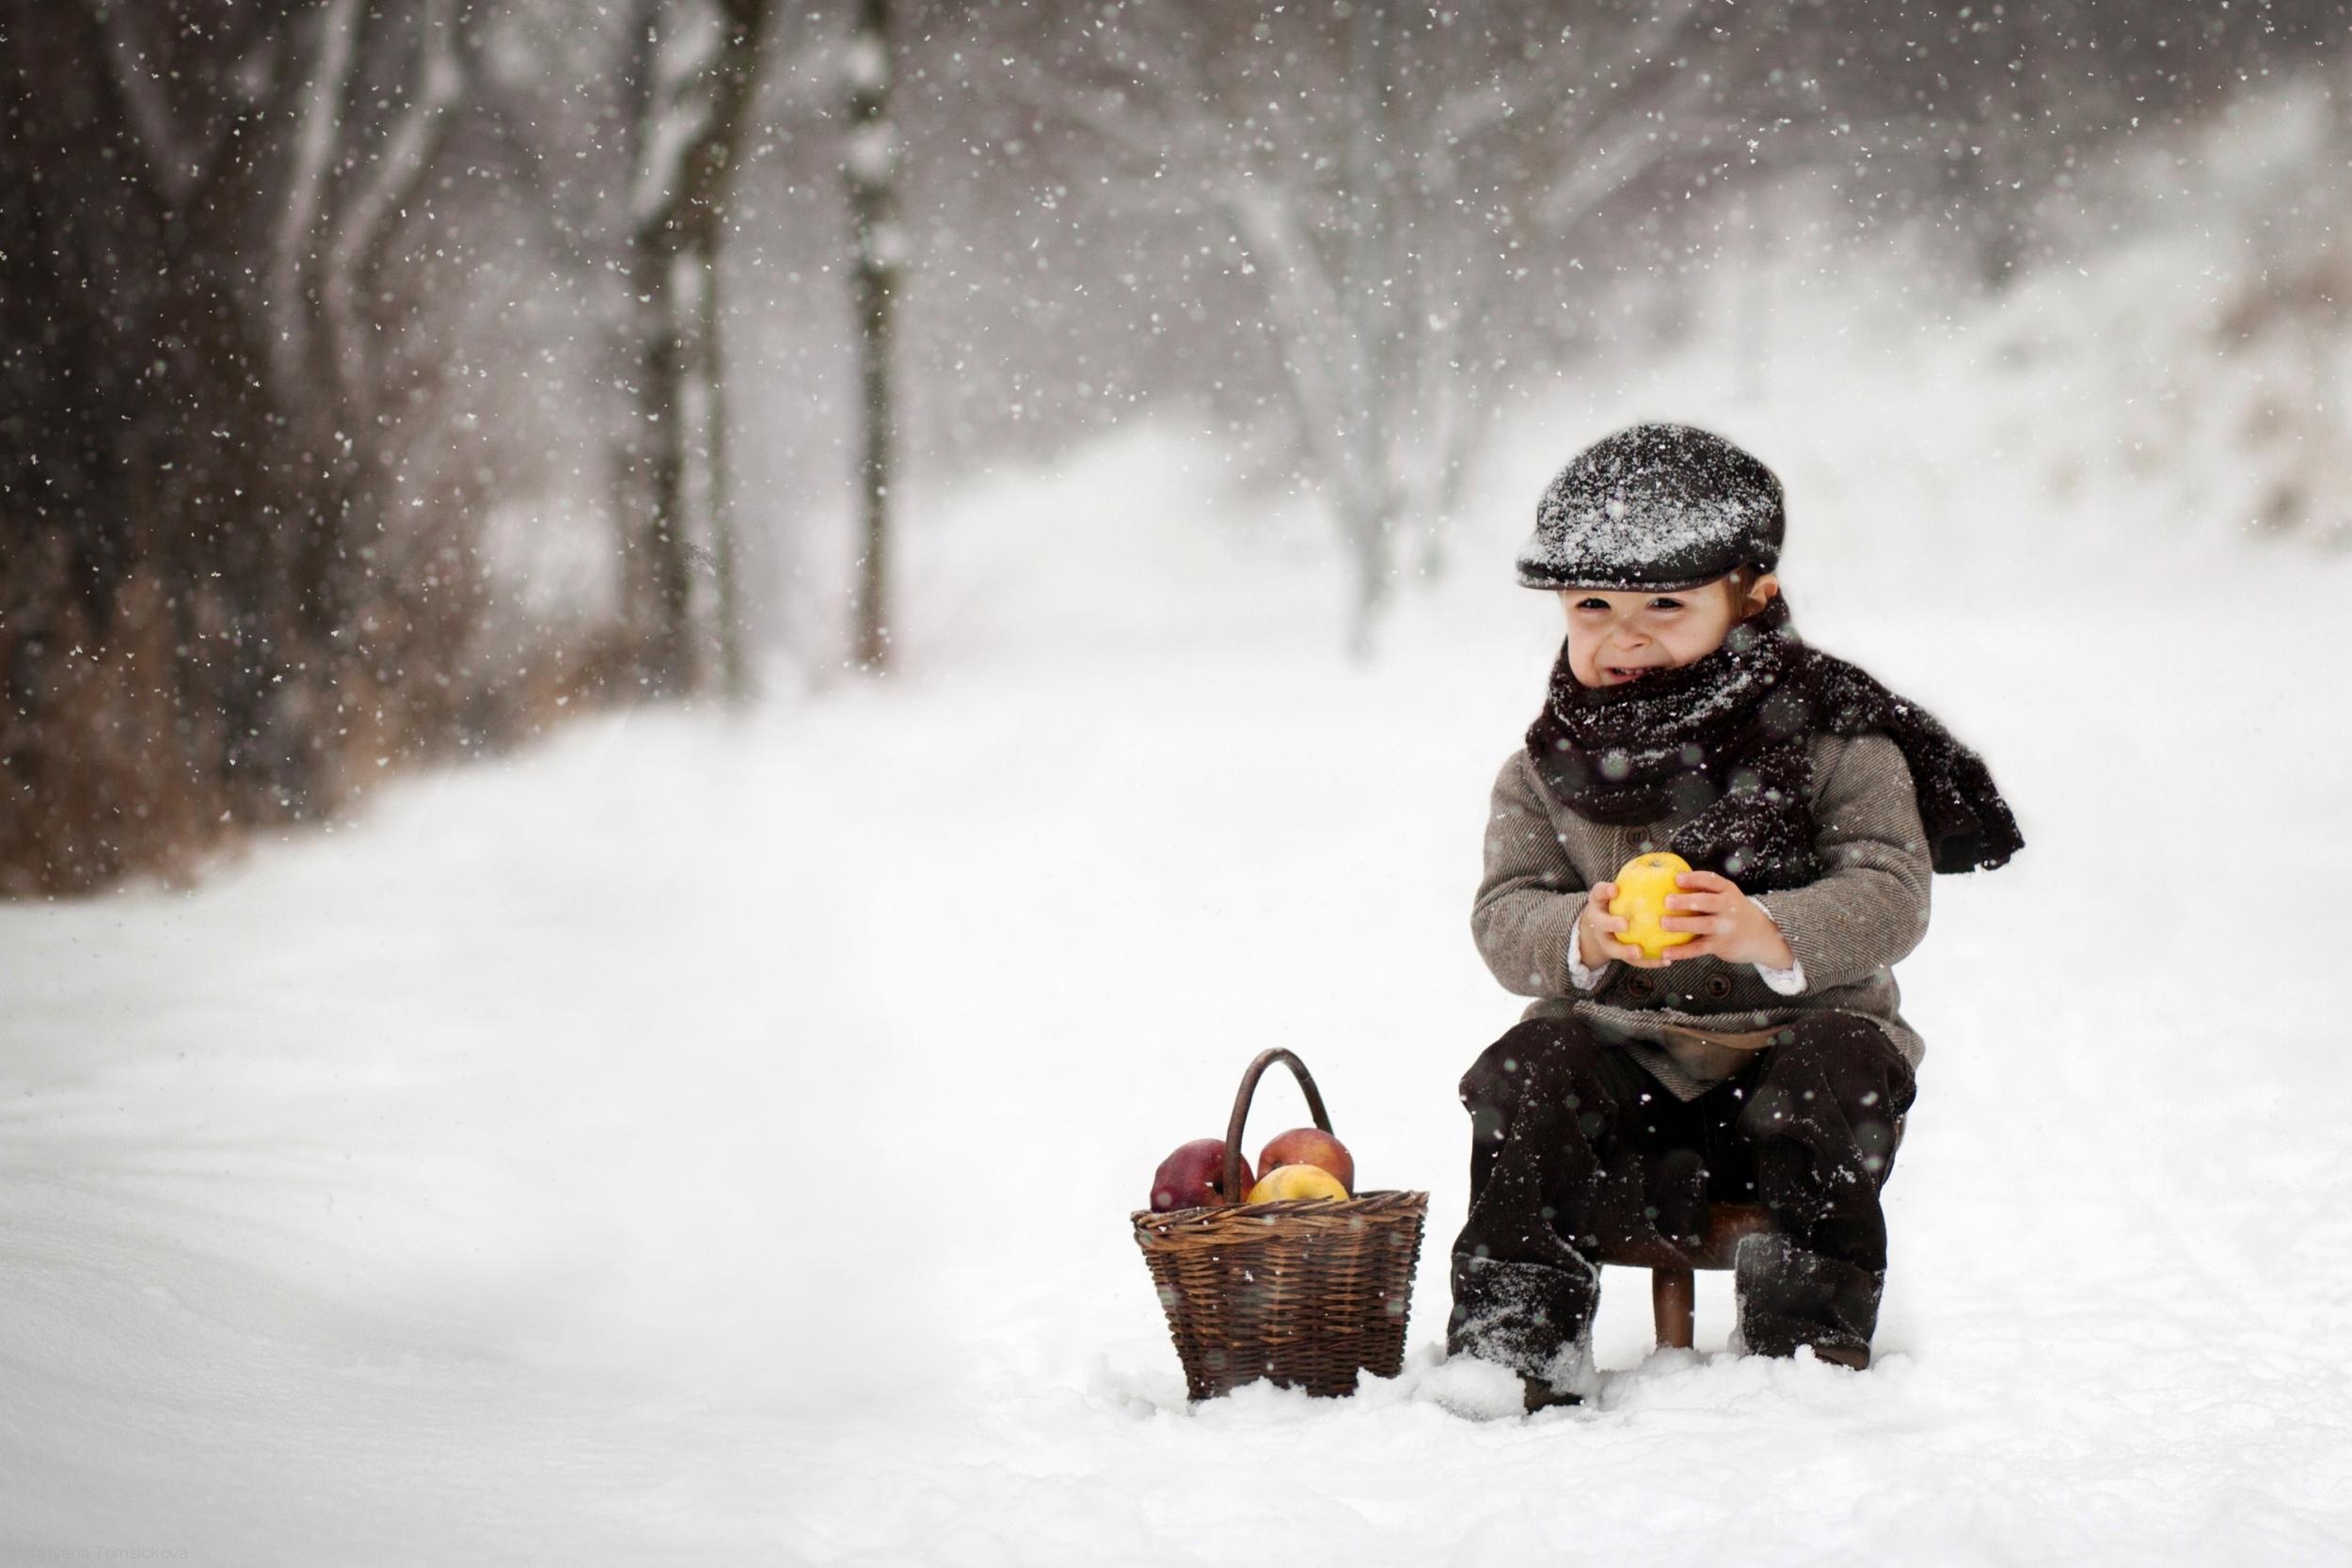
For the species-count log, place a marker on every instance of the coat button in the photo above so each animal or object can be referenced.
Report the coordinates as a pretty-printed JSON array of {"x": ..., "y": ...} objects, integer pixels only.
[
  {"x": 1640, "y": 988},
  {"x": 1719, "y": 986}
]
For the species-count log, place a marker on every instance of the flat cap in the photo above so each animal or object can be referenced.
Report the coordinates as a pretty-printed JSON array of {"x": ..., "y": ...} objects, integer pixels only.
[{"x": 1655, "y": 506}]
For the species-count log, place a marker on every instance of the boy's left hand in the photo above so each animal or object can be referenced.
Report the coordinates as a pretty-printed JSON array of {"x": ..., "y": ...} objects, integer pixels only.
[{"x": 1728, "y": 924}]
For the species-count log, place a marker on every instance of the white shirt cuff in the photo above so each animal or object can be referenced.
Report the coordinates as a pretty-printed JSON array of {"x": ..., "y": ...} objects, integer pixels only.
[
  {"x": 1788, "y": 982},
  {"x": 1578, "y": 977}
]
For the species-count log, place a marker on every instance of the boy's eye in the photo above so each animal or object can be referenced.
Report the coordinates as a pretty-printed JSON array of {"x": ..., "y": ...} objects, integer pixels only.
[
  {"x": 1592, "y": 604},
  {"x": 1665, "y": 604}
]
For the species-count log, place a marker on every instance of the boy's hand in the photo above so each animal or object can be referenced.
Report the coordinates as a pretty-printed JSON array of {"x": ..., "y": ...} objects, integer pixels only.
[
  {"x": 1729, "y": 924},
  {"x": 1597, "y": 932}
]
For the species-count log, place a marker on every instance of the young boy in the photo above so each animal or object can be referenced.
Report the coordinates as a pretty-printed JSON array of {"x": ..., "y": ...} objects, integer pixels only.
[{"x": 1764, "y": 1061}]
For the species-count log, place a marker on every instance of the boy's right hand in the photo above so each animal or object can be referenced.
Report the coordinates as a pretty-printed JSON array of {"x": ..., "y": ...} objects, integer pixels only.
[{"x": 1596, "y": 931}]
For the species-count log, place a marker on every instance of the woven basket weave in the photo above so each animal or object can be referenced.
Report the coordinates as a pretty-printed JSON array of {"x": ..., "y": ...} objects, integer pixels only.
[{"x": 1303, "y": 1291}]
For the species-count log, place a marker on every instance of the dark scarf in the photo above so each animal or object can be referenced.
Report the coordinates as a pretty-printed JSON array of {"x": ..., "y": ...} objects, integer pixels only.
[{"x": 1725, "y": 736}]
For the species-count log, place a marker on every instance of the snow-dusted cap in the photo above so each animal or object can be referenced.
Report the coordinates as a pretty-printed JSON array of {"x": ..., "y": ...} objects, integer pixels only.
[{"x": 1654, "y": 506}]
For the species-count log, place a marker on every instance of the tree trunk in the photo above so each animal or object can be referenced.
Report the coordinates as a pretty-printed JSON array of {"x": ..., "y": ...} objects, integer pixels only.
[
  {"x": 674, "y": 242},
  {"x": 1369, "y": 499},
  {"x": 666, "y": 651},
  {"x": 734, "y": 675},
  {"x": 871, "y": 171},
  {"x": 711, "y": 170}
]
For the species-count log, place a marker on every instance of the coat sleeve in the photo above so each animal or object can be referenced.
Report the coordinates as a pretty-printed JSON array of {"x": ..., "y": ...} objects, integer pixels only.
[
  {"x": 1870, "y": 908},
  {"x": 1530, "y": 896}
]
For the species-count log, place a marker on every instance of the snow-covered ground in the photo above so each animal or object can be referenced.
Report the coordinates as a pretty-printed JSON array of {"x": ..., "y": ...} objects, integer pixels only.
[{"x": 711, "y": 1135}]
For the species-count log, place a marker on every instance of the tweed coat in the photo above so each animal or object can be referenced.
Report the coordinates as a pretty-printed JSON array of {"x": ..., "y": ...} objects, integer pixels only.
[{"x": 1681, "y": 1022}]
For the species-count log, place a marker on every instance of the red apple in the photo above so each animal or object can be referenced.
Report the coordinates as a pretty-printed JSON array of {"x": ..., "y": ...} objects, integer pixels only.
[
  {"x": 1194, "y": 1178},
  {"x": 1309, "y": 1146}
]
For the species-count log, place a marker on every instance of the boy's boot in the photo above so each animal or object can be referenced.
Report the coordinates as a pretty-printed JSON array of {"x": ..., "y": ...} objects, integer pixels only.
[
  {"x": 1532, "y": 1318},
  {"x": 1820, "y": 1118},
  {"x": 1549, "y": 1106},
  {"x": 1571, "y": 1378},
  {"x": 1790, "y": 1297}
]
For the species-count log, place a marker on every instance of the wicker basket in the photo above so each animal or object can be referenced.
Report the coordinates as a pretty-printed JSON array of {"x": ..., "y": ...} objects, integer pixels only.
[{"x": 1303, "y": 1291}]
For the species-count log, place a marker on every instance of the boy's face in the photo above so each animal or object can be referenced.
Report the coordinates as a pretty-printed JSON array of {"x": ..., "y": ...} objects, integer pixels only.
[{"x": 1618, "y": 637}]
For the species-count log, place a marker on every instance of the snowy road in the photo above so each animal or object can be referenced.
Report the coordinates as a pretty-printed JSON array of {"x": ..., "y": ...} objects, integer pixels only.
[{"x": 711, "y": 1137}]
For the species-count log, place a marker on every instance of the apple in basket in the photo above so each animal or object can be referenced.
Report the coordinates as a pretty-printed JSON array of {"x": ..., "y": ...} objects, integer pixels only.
[
  {"x": 1286, "y": 1181},
  {"x": 1194, "y": 1178},
  {"x": 1309, "y": 1146}
]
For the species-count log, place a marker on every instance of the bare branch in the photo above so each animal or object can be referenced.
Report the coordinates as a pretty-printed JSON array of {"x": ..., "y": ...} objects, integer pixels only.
[
  {"x": 1627, "y": 151},
  {"x": 639, "y": 63},
  {"x": 1105, "y": 111},
  {"x": 148, "y": 112},
  {"x": 1300, "y": 292},
  {"x": 1169, "y": 89},
  {"x": 1177, "y": 54},
  {"x": 733, "y": 70},
  {"x": 688, "y": 134},
  {"x": 227, "y": 187},
  {"x": 675, "y": 113},
  {"x": 497, "y": 107},
  {"x": 297, "y": 222},
  {"x": 400, "y": 168},
  {"x": 1467, "y": 116}
]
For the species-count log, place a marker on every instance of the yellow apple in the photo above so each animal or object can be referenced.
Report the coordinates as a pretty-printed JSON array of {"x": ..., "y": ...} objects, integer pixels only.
[
  {"x": 1643, "y": 885},
  {"x": 1295, "y": 1181}
]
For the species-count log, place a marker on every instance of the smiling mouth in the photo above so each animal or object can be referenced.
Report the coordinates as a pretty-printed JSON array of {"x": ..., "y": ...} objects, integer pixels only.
[{"x": 1628, "y": 672}]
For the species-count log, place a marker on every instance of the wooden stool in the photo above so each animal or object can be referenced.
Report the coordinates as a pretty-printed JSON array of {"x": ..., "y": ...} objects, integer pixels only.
[{"x": 1671, "y": 1285}]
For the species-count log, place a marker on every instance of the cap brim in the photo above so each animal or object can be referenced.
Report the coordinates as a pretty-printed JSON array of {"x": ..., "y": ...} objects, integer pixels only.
[{"x": 1530, "y": 579}]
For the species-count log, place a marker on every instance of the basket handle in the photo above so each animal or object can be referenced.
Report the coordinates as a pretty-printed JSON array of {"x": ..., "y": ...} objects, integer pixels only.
[{"x": 1241, "y": 1110}]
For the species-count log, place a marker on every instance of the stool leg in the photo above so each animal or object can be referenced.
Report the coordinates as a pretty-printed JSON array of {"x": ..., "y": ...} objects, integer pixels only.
[{"x": 1670, "y": 1304}]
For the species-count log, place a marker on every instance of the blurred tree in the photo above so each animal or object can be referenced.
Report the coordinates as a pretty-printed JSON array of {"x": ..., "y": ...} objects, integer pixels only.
[
  {"x": 201, "y": 445},
  {"x": 870, "y": 171},
  {"x": 306, "y": 306},
  {"x": 690, "y": 75},
  {"x": 711, "y": 166},
  {"x": 1381, "y": 173}
]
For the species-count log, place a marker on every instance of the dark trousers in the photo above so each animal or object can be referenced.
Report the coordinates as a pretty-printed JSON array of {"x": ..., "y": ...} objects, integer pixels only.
[{"x": 1576, "y": 1151}]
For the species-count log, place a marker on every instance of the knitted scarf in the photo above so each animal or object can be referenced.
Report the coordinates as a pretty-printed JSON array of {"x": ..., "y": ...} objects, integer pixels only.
[{"x": 1725, "y": 736}]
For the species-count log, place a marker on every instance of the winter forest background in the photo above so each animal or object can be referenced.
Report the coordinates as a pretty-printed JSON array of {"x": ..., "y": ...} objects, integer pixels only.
[
  {"x": 384, "y": 373},
  {"x": 682, "y": 677}
]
